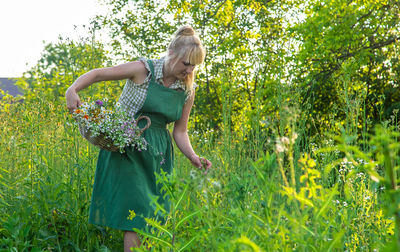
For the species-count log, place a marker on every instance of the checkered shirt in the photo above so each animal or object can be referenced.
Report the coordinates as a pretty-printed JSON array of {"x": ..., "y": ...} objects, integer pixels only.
[{"x": 133, "y": 95}]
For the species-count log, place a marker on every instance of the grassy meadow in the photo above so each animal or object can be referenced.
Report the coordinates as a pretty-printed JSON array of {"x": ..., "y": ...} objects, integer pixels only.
[{"x": 280, "y": 192}]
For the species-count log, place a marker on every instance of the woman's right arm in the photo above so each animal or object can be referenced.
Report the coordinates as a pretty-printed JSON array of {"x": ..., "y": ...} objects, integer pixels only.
[{"x": 135, "y": 71}]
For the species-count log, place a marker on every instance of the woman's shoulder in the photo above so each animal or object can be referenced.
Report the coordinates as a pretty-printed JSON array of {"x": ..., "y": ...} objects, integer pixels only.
[
  {"x": 141, "y": 72},
  {"x": 146, "y": 62},
  {"x": 151, "y": 66}
]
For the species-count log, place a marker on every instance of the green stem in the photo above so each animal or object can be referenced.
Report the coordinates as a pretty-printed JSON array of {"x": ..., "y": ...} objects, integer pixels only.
[{"x": 391, "y": 173}]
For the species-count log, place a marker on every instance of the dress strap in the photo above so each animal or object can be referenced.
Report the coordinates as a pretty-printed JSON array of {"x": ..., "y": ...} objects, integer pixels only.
[{"x": 151, "y": 70}]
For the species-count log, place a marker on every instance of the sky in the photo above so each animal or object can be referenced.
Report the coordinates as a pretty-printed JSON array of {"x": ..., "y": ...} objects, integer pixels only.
[{"x": 25, "y": 24}]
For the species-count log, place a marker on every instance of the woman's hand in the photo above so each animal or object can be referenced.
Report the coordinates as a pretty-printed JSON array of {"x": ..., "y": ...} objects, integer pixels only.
[
  {"x": 73, "y": 100},
  {"x": 200, "y": 163}
]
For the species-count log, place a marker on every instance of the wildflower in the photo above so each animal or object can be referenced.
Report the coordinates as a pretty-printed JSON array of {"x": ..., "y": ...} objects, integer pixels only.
[
  {"x": 99, "y": 103},
  {"x": 285, "y": 140},
  {"x": 99, "y": 119},
  {"x": 279, "y": 147},
  {"x": 132, "y": 215},
  {"x": 362, "y": 161},
  {"x": 192, "y": 174},
  {"x": 294, "y": 137},
  {"x": 264, "y": 123},
  {"x": 216, "y": 184},
  {"x": 361, "y": 175}
]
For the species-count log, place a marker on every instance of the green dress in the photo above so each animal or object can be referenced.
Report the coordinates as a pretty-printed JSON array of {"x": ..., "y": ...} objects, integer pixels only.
[{"x": 127, "y": 182}]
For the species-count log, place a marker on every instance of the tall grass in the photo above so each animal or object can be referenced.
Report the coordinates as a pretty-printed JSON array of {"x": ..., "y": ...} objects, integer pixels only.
[{"x": 265, "y": 192}]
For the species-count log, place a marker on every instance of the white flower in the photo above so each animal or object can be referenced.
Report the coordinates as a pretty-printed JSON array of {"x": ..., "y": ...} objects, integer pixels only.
[
  {"x": 285, "y": 140},
  {"x": 279, "y": 147},
  {"x": 360, "y": 175},
  {"x": 216, "y": 184},
  {"x": 192, "y": 174},
  {"x": 294, "y": 137}
]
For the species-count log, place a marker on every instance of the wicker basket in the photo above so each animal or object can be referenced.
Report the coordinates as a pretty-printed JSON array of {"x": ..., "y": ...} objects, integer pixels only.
[{"x": 105, "y": 143}]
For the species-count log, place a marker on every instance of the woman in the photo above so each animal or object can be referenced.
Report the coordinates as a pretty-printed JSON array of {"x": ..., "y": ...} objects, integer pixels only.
[{"x": 125, "y": 184}]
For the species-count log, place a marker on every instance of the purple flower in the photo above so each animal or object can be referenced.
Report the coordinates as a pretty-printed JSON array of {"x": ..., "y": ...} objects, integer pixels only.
[{"x": 99, "y": 103}]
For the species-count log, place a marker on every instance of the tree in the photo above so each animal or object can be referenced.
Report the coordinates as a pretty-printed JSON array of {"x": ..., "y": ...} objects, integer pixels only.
[
  {"x": 62, "y": 63},
  {"x": 348, "y": 48},
  {"x": 237, "y": 34}
]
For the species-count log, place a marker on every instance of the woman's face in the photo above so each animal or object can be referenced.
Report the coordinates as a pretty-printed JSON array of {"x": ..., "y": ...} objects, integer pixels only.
[{"x": 182, "y": 69}]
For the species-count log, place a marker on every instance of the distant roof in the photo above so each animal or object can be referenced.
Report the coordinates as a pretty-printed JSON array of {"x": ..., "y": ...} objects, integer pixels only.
[{"x": 8, "y": 85}]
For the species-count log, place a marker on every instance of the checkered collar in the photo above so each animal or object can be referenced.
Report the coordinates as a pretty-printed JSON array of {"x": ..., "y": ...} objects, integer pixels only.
[{"x": 158, "y": 67}]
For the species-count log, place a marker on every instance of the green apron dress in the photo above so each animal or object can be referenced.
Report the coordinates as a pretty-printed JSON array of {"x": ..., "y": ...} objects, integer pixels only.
[{"x": 127, "y": 182}]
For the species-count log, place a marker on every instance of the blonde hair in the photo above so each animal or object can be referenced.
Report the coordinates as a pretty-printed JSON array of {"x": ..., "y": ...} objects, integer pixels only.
[{"x": 186, "y": 45}]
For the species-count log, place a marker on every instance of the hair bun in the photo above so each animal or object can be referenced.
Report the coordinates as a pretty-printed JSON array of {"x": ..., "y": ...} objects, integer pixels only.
[{"x": 186, "y": 30}]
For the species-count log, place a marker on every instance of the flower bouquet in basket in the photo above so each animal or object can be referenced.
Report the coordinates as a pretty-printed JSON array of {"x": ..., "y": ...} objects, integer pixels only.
[{"x": 107, "y": 126}]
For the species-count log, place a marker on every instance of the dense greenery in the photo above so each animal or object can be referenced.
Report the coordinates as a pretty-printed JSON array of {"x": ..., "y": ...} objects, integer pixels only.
[{"x": 297, "y": 109}]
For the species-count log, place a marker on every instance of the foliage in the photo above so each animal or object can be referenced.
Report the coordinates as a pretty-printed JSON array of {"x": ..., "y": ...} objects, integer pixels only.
[
  {"x": 237, "y": 36},
  {"x": 62, "y": 63},
  {"x": 348, "y": 47},
  {"x": 48, "y": 169}
]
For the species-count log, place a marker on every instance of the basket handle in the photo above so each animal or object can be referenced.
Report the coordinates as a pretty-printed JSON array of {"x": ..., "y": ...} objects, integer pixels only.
[{"x": 147, "y": 125}]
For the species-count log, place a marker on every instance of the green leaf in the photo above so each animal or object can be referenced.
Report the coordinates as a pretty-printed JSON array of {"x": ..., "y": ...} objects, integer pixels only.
[
  {"x": 153, "y": 237},
  {"x": 186, "y": 218},
  {"x": 157, "y": 225},
  {"x": 187, "y": 244},
  {"x": 180, "y": 199}
]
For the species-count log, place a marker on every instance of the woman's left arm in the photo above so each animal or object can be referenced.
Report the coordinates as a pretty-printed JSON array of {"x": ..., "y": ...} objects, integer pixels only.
[{"x": 181, "y": 137}]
